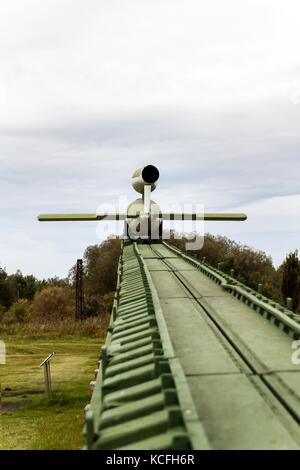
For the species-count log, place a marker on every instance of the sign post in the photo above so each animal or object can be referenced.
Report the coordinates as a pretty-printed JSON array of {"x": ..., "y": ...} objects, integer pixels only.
[{"x": 47, "y": 373}]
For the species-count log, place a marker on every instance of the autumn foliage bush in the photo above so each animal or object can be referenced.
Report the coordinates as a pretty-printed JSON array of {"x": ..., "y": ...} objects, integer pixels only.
[{"x": 53, "y": 304}]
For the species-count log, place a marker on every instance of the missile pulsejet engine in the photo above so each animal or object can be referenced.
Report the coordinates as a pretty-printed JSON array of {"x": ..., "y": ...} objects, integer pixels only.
[{"x": 143, "y": 219}]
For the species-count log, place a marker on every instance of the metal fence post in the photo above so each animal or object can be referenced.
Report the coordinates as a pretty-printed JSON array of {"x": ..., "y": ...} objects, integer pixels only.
[{"x": 47, "y": 374}]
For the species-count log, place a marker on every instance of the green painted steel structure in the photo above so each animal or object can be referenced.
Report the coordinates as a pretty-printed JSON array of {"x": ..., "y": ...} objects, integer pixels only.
[{"x": 193, "y": 360}]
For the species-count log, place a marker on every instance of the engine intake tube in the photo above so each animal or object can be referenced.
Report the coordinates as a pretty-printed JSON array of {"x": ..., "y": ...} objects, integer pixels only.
[{"x": 149, "y": 175}]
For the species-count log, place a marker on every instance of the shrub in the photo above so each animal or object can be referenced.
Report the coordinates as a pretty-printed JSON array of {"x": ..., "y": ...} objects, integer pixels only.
[
  {"x": 19, "y": 312},
  {"x": 53, "y": 303}
]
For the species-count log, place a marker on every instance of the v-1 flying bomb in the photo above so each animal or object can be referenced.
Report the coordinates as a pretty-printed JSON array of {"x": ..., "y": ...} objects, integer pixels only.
[{"x": 143, "y": 218}]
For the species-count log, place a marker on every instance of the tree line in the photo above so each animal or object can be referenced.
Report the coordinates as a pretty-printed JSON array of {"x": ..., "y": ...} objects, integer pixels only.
[
  {"x": 24, "y": 298},
  {"x": 250, "y": 266}
]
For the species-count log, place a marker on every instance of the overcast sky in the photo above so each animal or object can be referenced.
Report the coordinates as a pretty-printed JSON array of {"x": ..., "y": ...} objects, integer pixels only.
[{"x": 90, "y": 90}]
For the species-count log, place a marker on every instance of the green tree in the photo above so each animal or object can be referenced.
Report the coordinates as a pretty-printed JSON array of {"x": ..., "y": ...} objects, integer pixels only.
[
  {"x": 250, "y": 266},
  {"x": 56, "y": 282},
  {"x": 8, "y": 293},
  {"x": 100, "y": 276},
  {"x": 100, "y": 266},
  {"x": 26, "y": 286},
  {"x": 290, "y": 279}
]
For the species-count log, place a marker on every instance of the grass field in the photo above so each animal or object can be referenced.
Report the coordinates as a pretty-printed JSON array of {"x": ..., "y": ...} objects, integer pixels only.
[{"x": 27, "y": 419}]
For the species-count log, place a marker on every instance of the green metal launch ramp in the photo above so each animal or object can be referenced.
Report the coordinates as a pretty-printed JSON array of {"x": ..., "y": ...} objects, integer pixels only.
[
  {"x": 193, "y": 360},
  {"x": 141, "y": 398}
]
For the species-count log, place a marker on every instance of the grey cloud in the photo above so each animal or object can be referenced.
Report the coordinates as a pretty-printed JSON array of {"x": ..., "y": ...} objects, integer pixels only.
[{"x": 87, "y": 97}]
